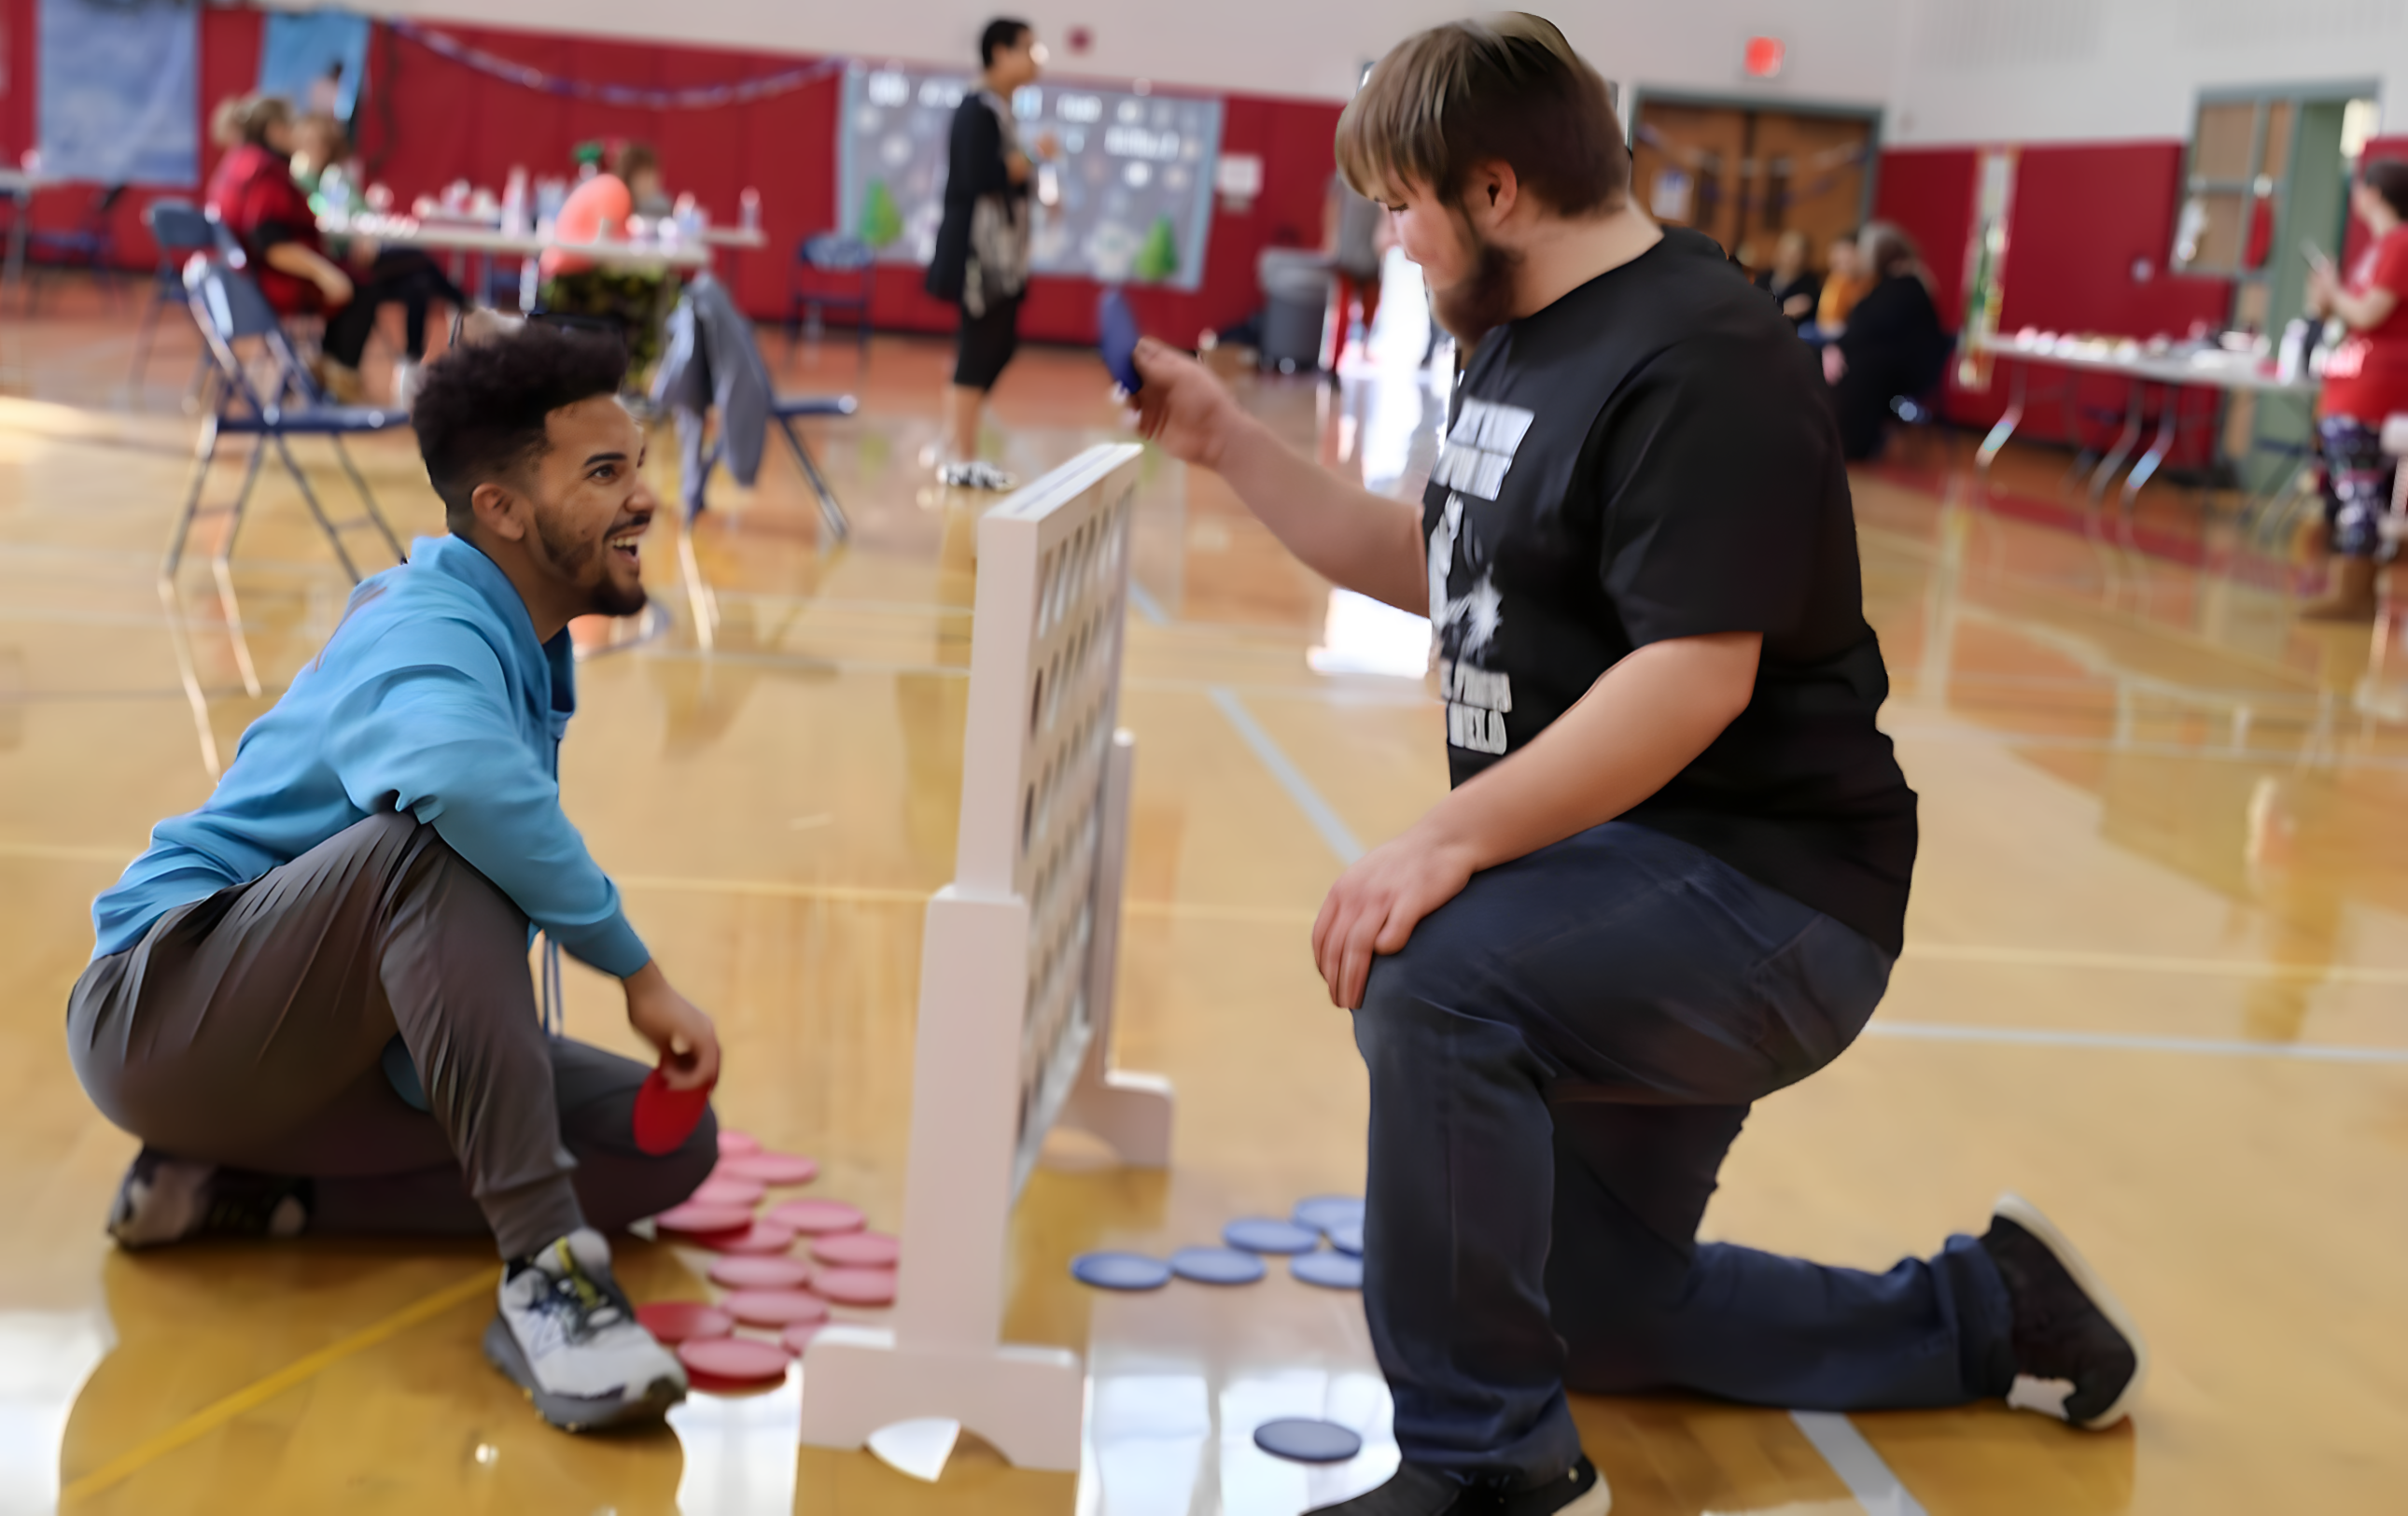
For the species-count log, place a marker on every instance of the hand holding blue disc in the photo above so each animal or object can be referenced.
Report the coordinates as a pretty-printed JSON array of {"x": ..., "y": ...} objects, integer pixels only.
[{"x": 1116, "y": 339}]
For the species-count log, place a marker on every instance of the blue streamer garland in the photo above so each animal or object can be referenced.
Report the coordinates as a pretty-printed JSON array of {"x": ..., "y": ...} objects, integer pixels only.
[{"x": 699, "y": 97}]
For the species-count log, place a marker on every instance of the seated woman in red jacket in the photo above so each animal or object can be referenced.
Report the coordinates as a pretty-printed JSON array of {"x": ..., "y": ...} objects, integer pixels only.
[{"x": 252, "y": 194}]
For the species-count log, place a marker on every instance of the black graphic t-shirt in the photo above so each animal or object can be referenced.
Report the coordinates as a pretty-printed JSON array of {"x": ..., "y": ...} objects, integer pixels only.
[{"x": 1652, "y": 458}]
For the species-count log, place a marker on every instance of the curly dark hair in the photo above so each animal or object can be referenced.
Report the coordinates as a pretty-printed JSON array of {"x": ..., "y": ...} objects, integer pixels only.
[{"x": 480, "y": 407}]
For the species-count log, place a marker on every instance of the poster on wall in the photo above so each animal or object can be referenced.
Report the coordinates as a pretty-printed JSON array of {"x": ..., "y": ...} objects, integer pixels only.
[
  {"x": 119, "y": 92},
  {"x": 1985, "y": 263},
  {"x": 1128, "y": 199},
  {"x": 314, "y": 58}
]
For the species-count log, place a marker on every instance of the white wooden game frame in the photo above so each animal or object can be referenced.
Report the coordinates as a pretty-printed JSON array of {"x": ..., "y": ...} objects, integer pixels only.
[{"x": 1016, "y": 973}]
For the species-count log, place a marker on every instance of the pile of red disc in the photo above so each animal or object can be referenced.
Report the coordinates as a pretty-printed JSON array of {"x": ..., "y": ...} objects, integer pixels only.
[{"x": 772, "y": 1302}]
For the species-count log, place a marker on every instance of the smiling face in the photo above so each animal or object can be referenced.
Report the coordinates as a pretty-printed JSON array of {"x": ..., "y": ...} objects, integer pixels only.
[{"x": 589, "y": 507}]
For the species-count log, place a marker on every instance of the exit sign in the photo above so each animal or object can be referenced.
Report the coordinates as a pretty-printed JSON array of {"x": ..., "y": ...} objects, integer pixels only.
[{"x": 1764, "y": 55}]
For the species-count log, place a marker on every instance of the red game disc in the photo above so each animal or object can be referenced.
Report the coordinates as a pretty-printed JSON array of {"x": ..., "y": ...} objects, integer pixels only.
[
  {"x": 729, "y": 1191},
  {"x": 856, "y": 1286},
  {"x": 774, "y": 1307},
  {"x": 734, "y": 1362},
  {"x": 737, "y": 1142},
  {"x": 760, "y": 1237},
  {"x": 798, "y": 1337},
  {"x": 683, "y": 1321},
  {"x": 692, "y": 1219},
  {"x": 816, "y": 1218},
  {"x": 857, "y": 1250},
  {"x": 739, "y": 1271},
  {"x": 665, "y": 1118},
  {"x": 770, "y": 1168}
]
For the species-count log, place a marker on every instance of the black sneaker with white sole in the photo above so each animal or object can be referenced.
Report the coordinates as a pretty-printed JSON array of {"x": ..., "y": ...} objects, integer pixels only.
[
  {"x": 2078, "y": 1355},
  {"x": 1415, "y": 1490},
  {"x": 163, "y": 1200},
  {"x": 567, "y": 1336}
]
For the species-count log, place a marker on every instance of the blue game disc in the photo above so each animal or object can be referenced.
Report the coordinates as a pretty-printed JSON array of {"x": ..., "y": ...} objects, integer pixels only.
[
  {"x": 1216, "y": 1265},
  {"x": 1331, "y": 1271},
  {"x": 1307, "y": 1441},
  {"x": 1322, "y": 1212},
  {"x": 1120, "y": 1271},
  {"x": 1347, "y": 1237},
  {"x": 1263, "y": 1235}
]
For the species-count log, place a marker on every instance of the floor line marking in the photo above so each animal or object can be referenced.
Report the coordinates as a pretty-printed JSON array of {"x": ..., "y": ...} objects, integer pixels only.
[
  {"x": 260, "y": 1392},
  {"x": 1316, "y": 809},
  {"x": 2221, "y": 968},
  {"x": 1146, "y": 604},
  {"x": 2303, "y": 1052},
  {"x": 1859, "y": 1467}
]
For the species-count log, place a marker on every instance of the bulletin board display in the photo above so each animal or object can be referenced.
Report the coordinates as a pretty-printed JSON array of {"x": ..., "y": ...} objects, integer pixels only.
[{"x": 1127, "y": 199}]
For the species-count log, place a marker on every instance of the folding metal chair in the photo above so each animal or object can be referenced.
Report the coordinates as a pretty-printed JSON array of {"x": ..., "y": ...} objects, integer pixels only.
[
  {"x": 784, "y": 409},
  {"x": 281, "y": 402},
  {"x": 180, "y": 230}
]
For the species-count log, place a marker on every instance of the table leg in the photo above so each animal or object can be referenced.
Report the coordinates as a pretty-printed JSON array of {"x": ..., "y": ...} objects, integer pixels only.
[
  {"x": 13, "y": 277},
  {"x": 2104, "y": 474},
  {"x": 2168, "y": 427},
  {"x": 2008, "y": 420}
]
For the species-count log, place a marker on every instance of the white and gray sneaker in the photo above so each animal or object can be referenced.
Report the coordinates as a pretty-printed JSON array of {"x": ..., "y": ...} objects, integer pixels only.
[
  {"x": 567, "y": 1336},
  {"x": 974, "y": 475}
]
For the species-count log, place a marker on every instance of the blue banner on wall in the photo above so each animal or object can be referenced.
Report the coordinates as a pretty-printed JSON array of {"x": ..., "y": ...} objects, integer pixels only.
[
  {"x": 119, "y": 92},
  {"x": 314, "y": 58}
]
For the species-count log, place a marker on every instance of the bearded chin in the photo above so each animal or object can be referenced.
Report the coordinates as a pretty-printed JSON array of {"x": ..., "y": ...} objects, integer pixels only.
[
  {"x": 606, "y": 598},
  {"x": 1482, "y": 300}
]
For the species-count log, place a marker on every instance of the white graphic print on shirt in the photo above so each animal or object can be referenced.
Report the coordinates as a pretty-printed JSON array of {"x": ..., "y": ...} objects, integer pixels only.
[{"x": 1480, "y": 449}]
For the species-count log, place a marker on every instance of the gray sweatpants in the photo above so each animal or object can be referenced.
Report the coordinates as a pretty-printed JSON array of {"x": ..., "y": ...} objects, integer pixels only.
[{"x": 248, "y": 1029}]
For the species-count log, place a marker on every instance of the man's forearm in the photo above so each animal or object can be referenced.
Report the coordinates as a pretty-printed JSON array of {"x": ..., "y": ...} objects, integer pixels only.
[
  {"x": 1365, "y": 542},
  {"x": 1637, "y": 727}
]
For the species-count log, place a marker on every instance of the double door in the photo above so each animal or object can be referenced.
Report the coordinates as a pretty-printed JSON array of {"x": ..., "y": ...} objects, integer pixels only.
[{"x": 1744, "y": 175}]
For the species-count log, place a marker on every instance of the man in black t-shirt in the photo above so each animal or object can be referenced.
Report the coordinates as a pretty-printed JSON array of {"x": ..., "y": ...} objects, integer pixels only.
[{"x": 1671, "y": 875}]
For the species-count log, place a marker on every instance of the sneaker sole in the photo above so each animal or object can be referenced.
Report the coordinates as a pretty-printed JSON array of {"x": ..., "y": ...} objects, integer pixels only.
[
  {"x": 2025, "y": 1214},
  {"x": 576, "y": 1413}
]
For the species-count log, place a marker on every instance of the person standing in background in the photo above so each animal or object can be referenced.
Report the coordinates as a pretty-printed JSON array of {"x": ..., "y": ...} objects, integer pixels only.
[
  {"x": 2365, "y": 381},
  {"x": 981, "y": 256},
  {"x": 1844, "y": 284},
  {"x": 1356, "y": 246},
  {"x": 1791, "y": 280}
]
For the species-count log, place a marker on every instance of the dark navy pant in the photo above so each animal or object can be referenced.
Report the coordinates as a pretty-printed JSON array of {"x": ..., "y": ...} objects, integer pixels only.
[{"x": 1560, "y": 1060}]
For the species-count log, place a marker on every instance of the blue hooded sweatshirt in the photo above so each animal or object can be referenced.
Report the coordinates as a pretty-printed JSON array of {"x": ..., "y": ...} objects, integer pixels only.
[{"x": 432, "y": 697}]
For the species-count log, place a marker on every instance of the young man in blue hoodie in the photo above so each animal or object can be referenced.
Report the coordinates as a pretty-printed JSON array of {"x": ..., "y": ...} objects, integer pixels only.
[{"x": 310, "y": 999}]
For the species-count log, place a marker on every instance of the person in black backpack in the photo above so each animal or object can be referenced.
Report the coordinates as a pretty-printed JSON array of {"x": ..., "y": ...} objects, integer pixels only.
[{"x": 981, "y": 255}]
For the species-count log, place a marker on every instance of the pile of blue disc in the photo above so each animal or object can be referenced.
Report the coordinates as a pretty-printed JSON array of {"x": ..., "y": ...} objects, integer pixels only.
[{"x": 1337, "y": 1219}]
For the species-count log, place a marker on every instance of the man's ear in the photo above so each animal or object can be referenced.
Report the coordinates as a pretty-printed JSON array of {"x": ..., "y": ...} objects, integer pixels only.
[
  {"x": 1493, "y": 193},
  {"x": 497, "y": 510}
]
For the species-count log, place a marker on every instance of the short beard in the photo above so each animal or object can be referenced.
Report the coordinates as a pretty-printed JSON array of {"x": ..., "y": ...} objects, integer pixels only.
[
  {"x": 606, "y": 598},
  {"x": 1482, "y": 300}
]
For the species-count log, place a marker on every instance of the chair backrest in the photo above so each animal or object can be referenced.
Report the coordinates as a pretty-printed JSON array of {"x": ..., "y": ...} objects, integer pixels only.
[
  {"x": 835, "y": 252},
  {"x": 229, "y": 247},
  {"x": 178, "y": 226},
  {"x": 230, "y": 311}
]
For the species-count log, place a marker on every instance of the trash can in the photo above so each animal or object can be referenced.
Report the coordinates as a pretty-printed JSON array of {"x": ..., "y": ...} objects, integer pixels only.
[{"x": 1296, "y": 297}]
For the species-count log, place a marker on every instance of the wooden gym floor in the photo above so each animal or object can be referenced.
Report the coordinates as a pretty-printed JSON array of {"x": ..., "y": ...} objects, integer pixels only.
[{"x": 2156, "y": 979}]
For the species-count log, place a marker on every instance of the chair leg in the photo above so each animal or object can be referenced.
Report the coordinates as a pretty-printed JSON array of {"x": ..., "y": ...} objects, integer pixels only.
[
  {"x": 142, "y": 336},
  {"x": 367, "y": 498},
  {"x": 325, "y": 523},
  {"x": 830, "y": 512},
  {"x": 202, "y": 457},
  {"x": 242, "y": 501}
]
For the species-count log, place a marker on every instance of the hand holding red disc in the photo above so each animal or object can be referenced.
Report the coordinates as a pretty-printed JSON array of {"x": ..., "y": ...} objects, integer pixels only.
[{"x": 665, "y": 1116}]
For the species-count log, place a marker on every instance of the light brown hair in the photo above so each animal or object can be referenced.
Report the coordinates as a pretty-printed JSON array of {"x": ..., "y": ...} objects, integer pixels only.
[
  {"x": 1507, "y": 86},
  {"x": 245, "y": 118},
  {"x": 1886, "y": 250}
]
